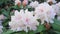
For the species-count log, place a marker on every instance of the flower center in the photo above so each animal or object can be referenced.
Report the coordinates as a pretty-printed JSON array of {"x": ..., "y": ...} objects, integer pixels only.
[{"x": 27, "y": 20}]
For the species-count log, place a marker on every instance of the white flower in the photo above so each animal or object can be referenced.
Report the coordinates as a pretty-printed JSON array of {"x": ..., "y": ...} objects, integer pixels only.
[
  {"x": 1, "y": 30},
  {"x": 23, "y": 21},
  {"x": 44, "y": 12},
  {"x": 34, "y": 4},
  {"x": 58, "y": 17},
  {"x": 31, "y": 20},
  {"x": 58, "y": 9},
  {"x": 1, "y": 27},
  {"x": 2, "y": 17},
  {"x": 26, "y": 1},
  {"x": 17, "y": 1},
  {"x": 58, "y": 4}
]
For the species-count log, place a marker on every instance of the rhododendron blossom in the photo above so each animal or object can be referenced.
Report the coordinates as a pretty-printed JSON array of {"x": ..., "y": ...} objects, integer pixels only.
[
  {"x": 44, "y": 12},
  {"x": 34, "y": 4},
  {"x": 23, "y": 20}
]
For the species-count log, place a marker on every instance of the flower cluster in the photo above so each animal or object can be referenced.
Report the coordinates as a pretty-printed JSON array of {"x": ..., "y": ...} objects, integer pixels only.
[
  {"x": 29, "y": 16},
  {"x": 44, "y": 12},
  {"x": 23, "y": 20}
]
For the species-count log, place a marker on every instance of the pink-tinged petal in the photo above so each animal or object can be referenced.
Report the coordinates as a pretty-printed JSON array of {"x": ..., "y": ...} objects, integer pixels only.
[{"x": 22, "y": 21}]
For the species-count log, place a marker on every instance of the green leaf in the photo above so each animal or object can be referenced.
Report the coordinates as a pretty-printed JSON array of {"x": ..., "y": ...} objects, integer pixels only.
[
  {"x": 19, "y": 32},
  {"x": 57, "y": 32},
  {"x": 22, "y": 32},
  {"x": 56, "y": 25},
  {"x": 31, "y": 32},
  {"x": 5, "y": 22},
  {"x": 6, "y": 13},
  {"x": 40, "y": 28},
  {"x": 8, "y": 32}
]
